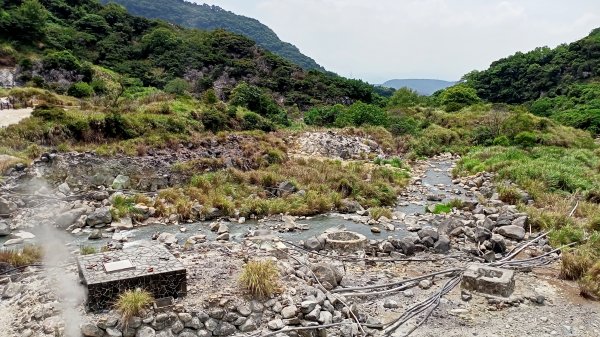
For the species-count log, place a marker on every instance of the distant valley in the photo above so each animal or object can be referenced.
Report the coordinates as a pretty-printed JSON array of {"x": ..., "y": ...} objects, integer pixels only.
[{"x": 422, "y": 86}]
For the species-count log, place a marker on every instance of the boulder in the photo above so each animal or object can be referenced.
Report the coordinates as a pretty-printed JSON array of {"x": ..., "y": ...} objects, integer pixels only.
[
  {"x": 512, "y": 232},
  {"x": 286, "y": 188},
  {"x": 64, "y": 189},
  {"x": 101, "y": 216},
  {"x": 167, "y": 238},
  {"x": 520, "y": 221},
  {"x": 7, "y": 207},
  {"x": 276, "y": 324},
  {"x": 405, "y": 245},
  {"x": 99, "y": 195},
  {"x": 498, "y": 243},
  {"x": 4, "y": 228},
  {"x": 314, "y": 244},
  {"x": 121, "y": 182},
  {"x": 328, "y": 275},
  {"x": 482, "y": 234},
  {"x": 68, "y": 218},
  {"x": 91, "y": 330},
  {"x": 12, "y": 242},
  {"x": 442, "y": 246},
  {"x": 428, "y": 232},
  {"x": 224, "y": 329},
  {"x": 349, "y": 206}
]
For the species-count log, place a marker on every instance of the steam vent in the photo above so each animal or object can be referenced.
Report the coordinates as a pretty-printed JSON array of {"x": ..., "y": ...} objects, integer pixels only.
[{"x": 154, "y": 269}]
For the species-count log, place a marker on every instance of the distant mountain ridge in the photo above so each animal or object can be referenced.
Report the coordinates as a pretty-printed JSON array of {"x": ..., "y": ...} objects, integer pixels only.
[
  {"x": 207, "y": 17},
  {"x": 422, "y": 86}
]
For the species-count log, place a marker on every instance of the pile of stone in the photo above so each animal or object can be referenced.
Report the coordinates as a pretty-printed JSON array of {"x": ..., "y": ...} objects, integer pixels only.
[{"x": 334, "y": 145}]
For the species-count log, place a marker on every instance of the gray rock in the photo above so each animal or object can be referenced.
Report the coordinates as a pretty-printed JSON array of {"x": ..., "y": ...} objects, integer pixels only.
[
  {"x": 224, "y": 329},
  {"x": 91, "y": 330},
  {"x": 112, "y": 332},
  {"x": 249, "y": 325},
  {"x": 187, "y": 333},
  {"x": 327, "y": 273},
  {"x": 286, "y": 188},
  {"x": 442, "y": 246},
  {"x": 177, "y": 327},
  {"x": 194, "y": 323},
  {"x": 276, "y": 324},
  {"x": 68, "y": 218},
  {"x": 167, "y": 238},
  {"x": 313, "y": 244},
  {"x": 211, "y": 324},
  {"x": 512, "y": 232},
  {"x": 308, "y": 306},
  {"x": 12, "y": 242},
  {"x": 390, "y": 304},
  {"x": 64, "y": 189},
  {"x": 520, "y": 221},
  {"x": 428, "y": 232},
  {"x": 481, "y": 234},
  {"x": 7, "y": 207},
  {"x": 121, "y": 182},
  {"x": 405, "y": 245},
  {"x": 425, "y": 284},
  {"x": 11, "y": 290},
  {"x": 165, "y": 333},
  {"x": 498, "y": 243},
  {"x": 4, "y": 228},
  {"x": 223, "y": 228},
  {"x": 314, "y": 315},
  {"x": 99, "y": 195},
  {"x": 100, "y": 216},
  {"x": 185, "y": 317},
  {"x": 223, "y": 237},
  {"x": 289, "y": 311},
  {"x": 96, "y": 234},
  {"x": 204, "y": 333},
  {"x": 350, "y": 206},
  {"x": 325, "y": 317},
  {"x": 489, "y": 223},
  {"x": 244, "y": 310}
]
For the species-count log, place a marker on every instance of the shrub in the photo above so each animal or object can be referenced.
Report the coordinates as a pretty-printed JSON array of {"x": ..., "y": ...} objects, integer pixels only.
[
  {"x": 260, "y": 278},
  {"x": 254, "y": 121},
  {"x": 80, "y": 90},
  {"x": 132, "y": 302},
  {"x": 525, "y": 139},
  {"x": 360, "y": 113},
  {"x": 177, "y": 87},
  {"x": 48, "y": 113},
  {"x": 501, "y": 141},
  {"x": 589, "y": 285},
  {"x": 403, "y": 125},
  {"x": 214, "y": 120},
  {"x": 18, "y": 258},
  {"x": 566, "y": 235},
  {"x": 324, "y": 116},
  {"x": 575, "y": 263},
  {"x": 378, "y": 212}
]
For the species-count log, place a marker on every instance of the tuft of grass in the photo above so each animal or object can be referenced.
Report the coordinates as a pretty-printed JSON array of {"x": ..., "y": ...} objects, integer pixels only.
[
  {"x": 132, "y": 302},
  {"x": 260, "y": 278},
  {"x": 21, "y": 257},
  {"x": 447, "y": 207},
  {"x": 575, "y": 264},
  {"x": 87, "y": 250},
  {"x": 589, "y": 285},
  {"x": 377, "y": 213},
  {"x": 509, "y": 194}
]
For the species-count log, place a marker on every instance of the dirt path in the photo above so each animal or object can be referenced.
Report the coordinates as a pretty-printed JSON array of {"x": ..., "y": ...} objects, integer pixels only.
[{"x": 13, "y": 116}]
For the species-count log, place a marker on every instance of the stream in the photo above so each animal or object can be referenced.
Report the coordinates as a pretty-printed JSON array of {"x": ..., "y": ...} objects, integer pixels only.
[{"x": 436, "y": 179}]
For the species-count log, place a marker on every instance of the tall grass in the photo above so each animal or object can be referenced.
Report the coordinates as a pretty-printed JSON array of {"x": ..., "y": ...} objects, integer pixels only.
[
  {"x": 21, "y": 257},
  {"x": 260, "y": 278},
  {"x": 132, "y": 303}
]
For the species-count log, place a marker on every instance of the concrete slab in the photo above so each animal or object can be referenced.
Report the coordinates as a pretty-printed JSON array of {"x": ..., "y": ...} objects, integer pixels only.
[{"x": 489, "y": 280}]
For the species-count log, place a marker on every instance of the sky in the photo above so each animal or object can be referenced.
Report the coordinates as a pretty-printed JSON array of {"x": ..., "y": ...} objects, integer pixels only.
[{"x": 378, "y": 40}]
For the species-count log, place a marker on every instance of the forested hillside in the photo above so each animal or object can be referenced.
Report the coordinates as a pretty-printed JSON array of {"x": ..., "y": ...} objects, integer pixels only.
[
  {"x": 561, "y": 83},
  {"x": 209, "y": 17},
  {"x": 59, "y": 43}
]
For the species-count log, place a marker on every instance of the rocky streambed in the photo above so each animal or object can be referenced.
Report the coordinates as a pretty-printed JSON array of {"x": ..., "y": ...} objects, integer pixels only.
[{"x": 315, "y": 273}]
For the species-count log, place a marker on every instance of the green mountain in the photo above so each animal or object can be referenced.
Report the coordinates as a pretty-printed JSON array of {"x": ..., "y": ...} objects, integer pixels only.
[
  {"x": 57, "y": 43},
  {"x": 561, "y": 83},
  {"x": 207, "y": 17},
  {"x": 422, "y": 86},
  {"x": 543, "y": 72}
]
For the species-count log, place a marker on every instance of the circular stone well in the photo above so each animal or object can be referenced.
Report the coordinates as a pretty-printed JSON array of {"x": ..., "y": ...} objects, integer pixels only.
[{"x": 345, "y": 241}]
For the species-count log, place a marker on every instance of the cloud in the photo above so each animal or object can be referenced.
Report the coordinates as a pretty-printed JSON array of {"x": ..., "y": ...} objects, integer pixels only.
[{"x": 383, "y": 39}]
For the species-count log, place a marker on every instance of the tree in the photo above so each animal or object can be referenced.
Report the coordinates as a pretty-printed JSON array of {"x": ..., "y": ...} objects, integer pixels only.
[
  {"x": 80, "y": 90},
  {"x": 177, "y": 87},
  {"x": 404, "y": 97},
  {"x": 458, "y": 97},
  {"x": 28, "y": 21},
  {"x": 361, "y": 113}
]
